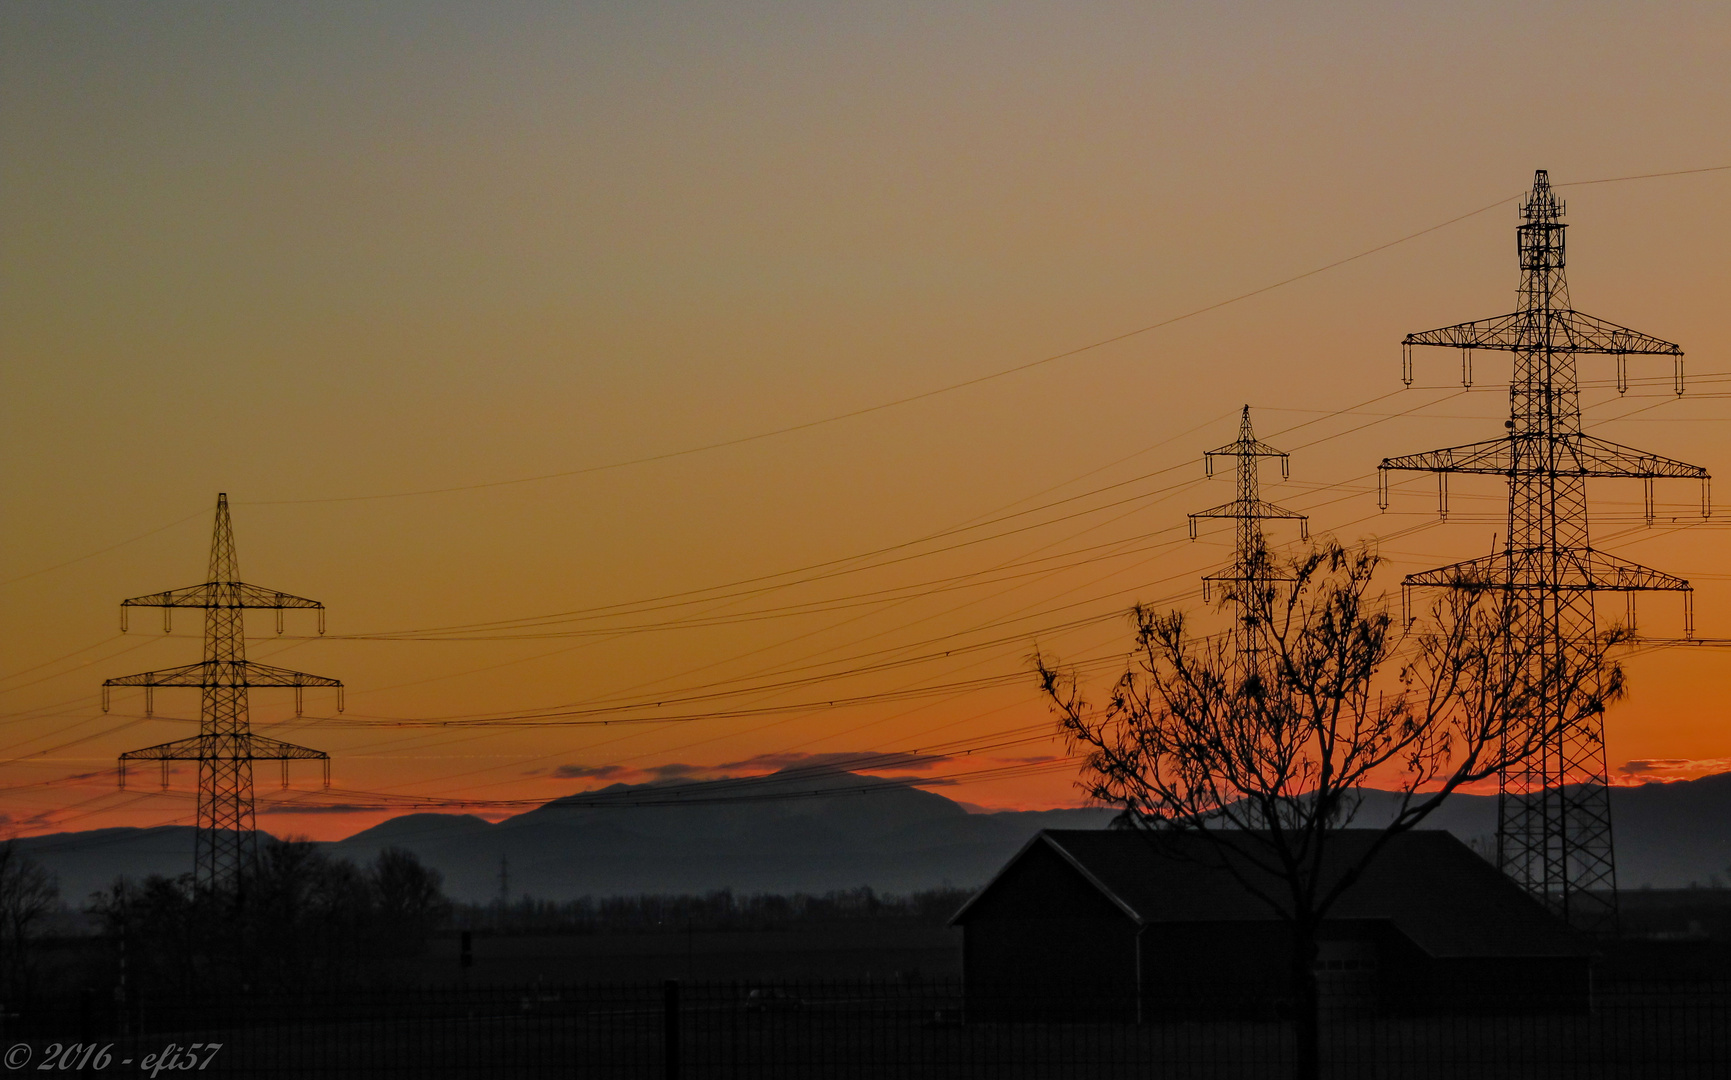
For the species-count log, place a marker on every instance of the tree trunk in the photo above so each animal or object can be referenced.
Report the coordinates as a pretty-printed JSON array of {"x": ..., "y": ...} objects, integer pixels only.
[{"x": 1306, "y": 1003}]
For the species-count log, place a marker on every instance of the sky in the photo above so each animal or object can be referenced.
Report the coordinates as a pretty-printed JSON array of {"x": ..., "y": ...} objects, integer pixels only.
[{"x": 772, "y": 381}]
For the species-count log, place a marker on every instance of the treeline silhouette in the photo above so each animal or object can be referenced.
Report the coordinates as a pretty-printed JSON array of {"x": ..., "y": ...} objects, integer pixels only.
[
  {"x": 28, "y": 894},
  {"x": 302, "y": 921},
  {"x": 721, "y": 909}
]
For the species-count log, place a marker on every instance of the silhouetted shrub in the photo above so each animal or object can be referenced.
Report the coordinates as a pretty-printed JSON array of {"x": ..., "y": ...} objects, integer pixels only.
[
  {"x": 300, "y": 921},
  {"x": 718, "y": 910}
]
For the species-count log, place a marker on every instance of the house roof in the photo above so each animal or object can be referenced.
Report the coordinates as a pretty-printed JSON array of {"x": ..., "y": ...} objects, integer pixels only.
[{"x": 1432, "y": 887}]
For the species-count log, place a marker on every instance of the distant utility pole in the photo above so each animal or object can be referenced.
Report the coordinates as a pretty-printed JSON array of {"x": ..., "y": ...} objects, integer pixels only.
[
  {"x": 1251, "y": 571},
  {"x": 225, "y": 747},
  {"x": 1553, "y": 812},
  {"x": 504, "y": 882}
]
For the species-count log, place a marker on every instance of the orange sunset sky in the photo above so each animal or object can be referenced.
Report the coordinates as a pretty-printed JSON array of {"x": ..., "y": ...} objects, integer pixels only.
[{"x": 443, "y": 294}]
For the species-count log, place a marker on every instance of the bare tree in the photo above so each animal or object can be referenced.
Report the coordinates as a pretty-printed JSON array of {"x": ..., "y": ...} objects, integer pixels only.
[
  {"x": 409, "y": 897},
  {"x": 28, "y": 892},
  {"x": 1265, "y": 738}
]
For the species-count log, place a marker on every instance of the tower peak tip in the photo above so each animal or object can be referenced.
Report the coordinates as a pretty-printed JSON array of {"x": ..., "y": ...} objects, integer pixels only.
[{"x": 1541, "y": 205}]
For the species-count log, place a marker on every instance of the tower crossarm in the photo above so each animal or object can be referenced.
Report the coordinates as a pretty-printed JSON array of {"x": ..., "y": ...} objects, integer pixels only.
[
  {"x": 1239, "y": 572},
  {"x": 242, "y": 747},
  {"x": 232, "y": 594},
  {"x": 1250, "y": 510},
  {"x": 1585, "y": 333},
  {"x": 1246, "y": 447},
  {"x": 1601, "y": 457},
  {"x": 1490, "y": 456},
  {"x": 1486, "y": 570},
  {"x": 1501, "y": 332},
  {"x": 201, "y": 747},
  {"x": 217, "y": 673},
  {"x": 185, "y": 675},
  {"x": 1577, "y": 455},
  {"x": 266, "y": 749},
  {"x": 266, "y": 675},
  {"x": 193, "y": 748},
  {"x": 1567, "y": 328},
  {"x": 1566, "y": 570},
  {"x": 1240, "y": 508},
  {"x": 1593, "y": 569}
]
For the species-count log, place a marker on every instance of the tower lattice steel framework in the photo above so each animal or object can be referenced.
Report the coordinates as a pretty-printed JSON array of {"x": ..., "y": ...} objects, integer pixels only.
[
  {"x": 1250, "y": 569},
  {"x": 225, "y": 747},
  {"x": 1553, "y": 815}
]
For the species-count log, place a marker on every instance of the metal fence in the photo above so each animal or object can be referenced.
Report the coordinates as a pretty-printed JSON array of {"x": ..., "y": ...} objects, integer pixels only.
[{"x": 866, "y": 1030}]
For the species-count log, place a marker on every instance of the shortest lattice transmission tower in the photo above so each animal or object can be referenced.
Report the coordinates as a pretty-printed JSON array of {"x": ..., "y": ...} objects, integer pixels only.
[
  {"x": 1250, "y": 569},
  {"x": 225, "y": 747}
]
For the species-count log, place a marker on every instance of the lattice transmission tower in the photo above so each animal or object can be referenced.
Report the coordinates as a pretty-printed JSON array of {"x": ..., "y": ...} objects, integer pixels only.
[
  {"x": 225, "y": 747},
  {"x": 1553, "y": 813},
  {"x": 1245, "y": 582}
]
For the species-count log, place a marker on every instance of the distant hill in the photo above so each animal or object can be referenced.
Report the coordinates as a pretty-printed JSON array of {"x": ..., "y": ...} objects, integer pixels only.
[
  {"x": 86, "y": 862},
  {"x": 801, "y": 834},
  {"x": 1668, "y": 836},
  {"x": 894, "y": 838}
]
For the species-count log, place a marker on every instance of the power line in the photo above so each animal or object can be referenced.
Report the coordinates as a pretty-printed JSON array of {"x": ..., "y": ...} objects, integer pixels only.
[
  {"x": 985, "y": 580},
  {"x": 980, "y": 379},
  {"x": 857, "y": 561},
  {"x": 100, "y": 551},
  {"x": 909, "y": 399}
]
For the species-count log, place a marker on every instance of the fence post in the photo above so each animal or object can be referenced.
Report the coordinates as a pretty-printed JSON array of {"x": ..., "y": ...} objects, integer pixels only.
[{"x": 670, "y": 1028}]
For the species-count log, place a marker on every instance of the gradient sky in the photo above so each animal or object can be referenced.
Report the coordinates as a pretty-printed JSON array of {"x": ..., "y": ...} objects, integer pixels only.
[{"x": 316, "y": 255}]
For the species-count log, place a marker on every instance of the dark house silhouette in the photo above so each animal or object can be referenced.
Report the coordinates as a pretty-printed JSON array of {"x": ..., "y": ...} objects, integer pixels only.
[{"x": 1132, "y": 925}]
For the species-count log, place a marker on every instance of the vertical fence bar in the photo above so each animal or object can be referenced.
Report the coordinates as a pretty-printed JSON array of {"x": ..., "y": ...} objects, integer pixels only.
[{"x": 670, "y": 1029}]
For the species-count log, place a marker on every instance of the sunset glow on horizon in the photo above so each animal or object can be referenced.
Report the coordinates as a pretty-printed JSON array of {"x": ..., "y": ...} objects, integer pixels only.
[{"x": 665, "y": 392}]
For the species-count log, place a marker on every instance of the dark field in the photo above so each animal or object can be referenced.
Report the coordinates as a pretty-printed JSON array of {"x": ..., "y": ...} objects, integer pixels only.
[
  {"x": 863, "y": 949},
  {"x": 866, "y": 1030},
  {"x": 865, "y": 998},
  {"x": 1680, "y": 933}
]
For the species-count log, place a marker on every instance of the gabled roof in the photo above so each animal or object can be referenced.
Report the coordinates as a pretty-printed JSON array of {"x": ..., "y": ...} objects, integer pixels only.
[{"x": 1432, "y": 887}]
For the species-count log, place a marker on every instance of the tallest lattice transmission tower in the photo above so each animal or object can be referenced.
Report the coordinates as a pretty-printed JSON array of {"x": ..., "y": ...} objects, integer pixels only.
[{"x": 1553, "y": 817}]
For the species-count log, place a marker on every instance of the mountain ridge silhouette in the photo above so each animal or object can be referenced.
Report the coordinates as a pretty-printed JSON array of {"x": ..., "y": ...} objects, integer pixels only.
[{"x": 806, "y": 831}]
